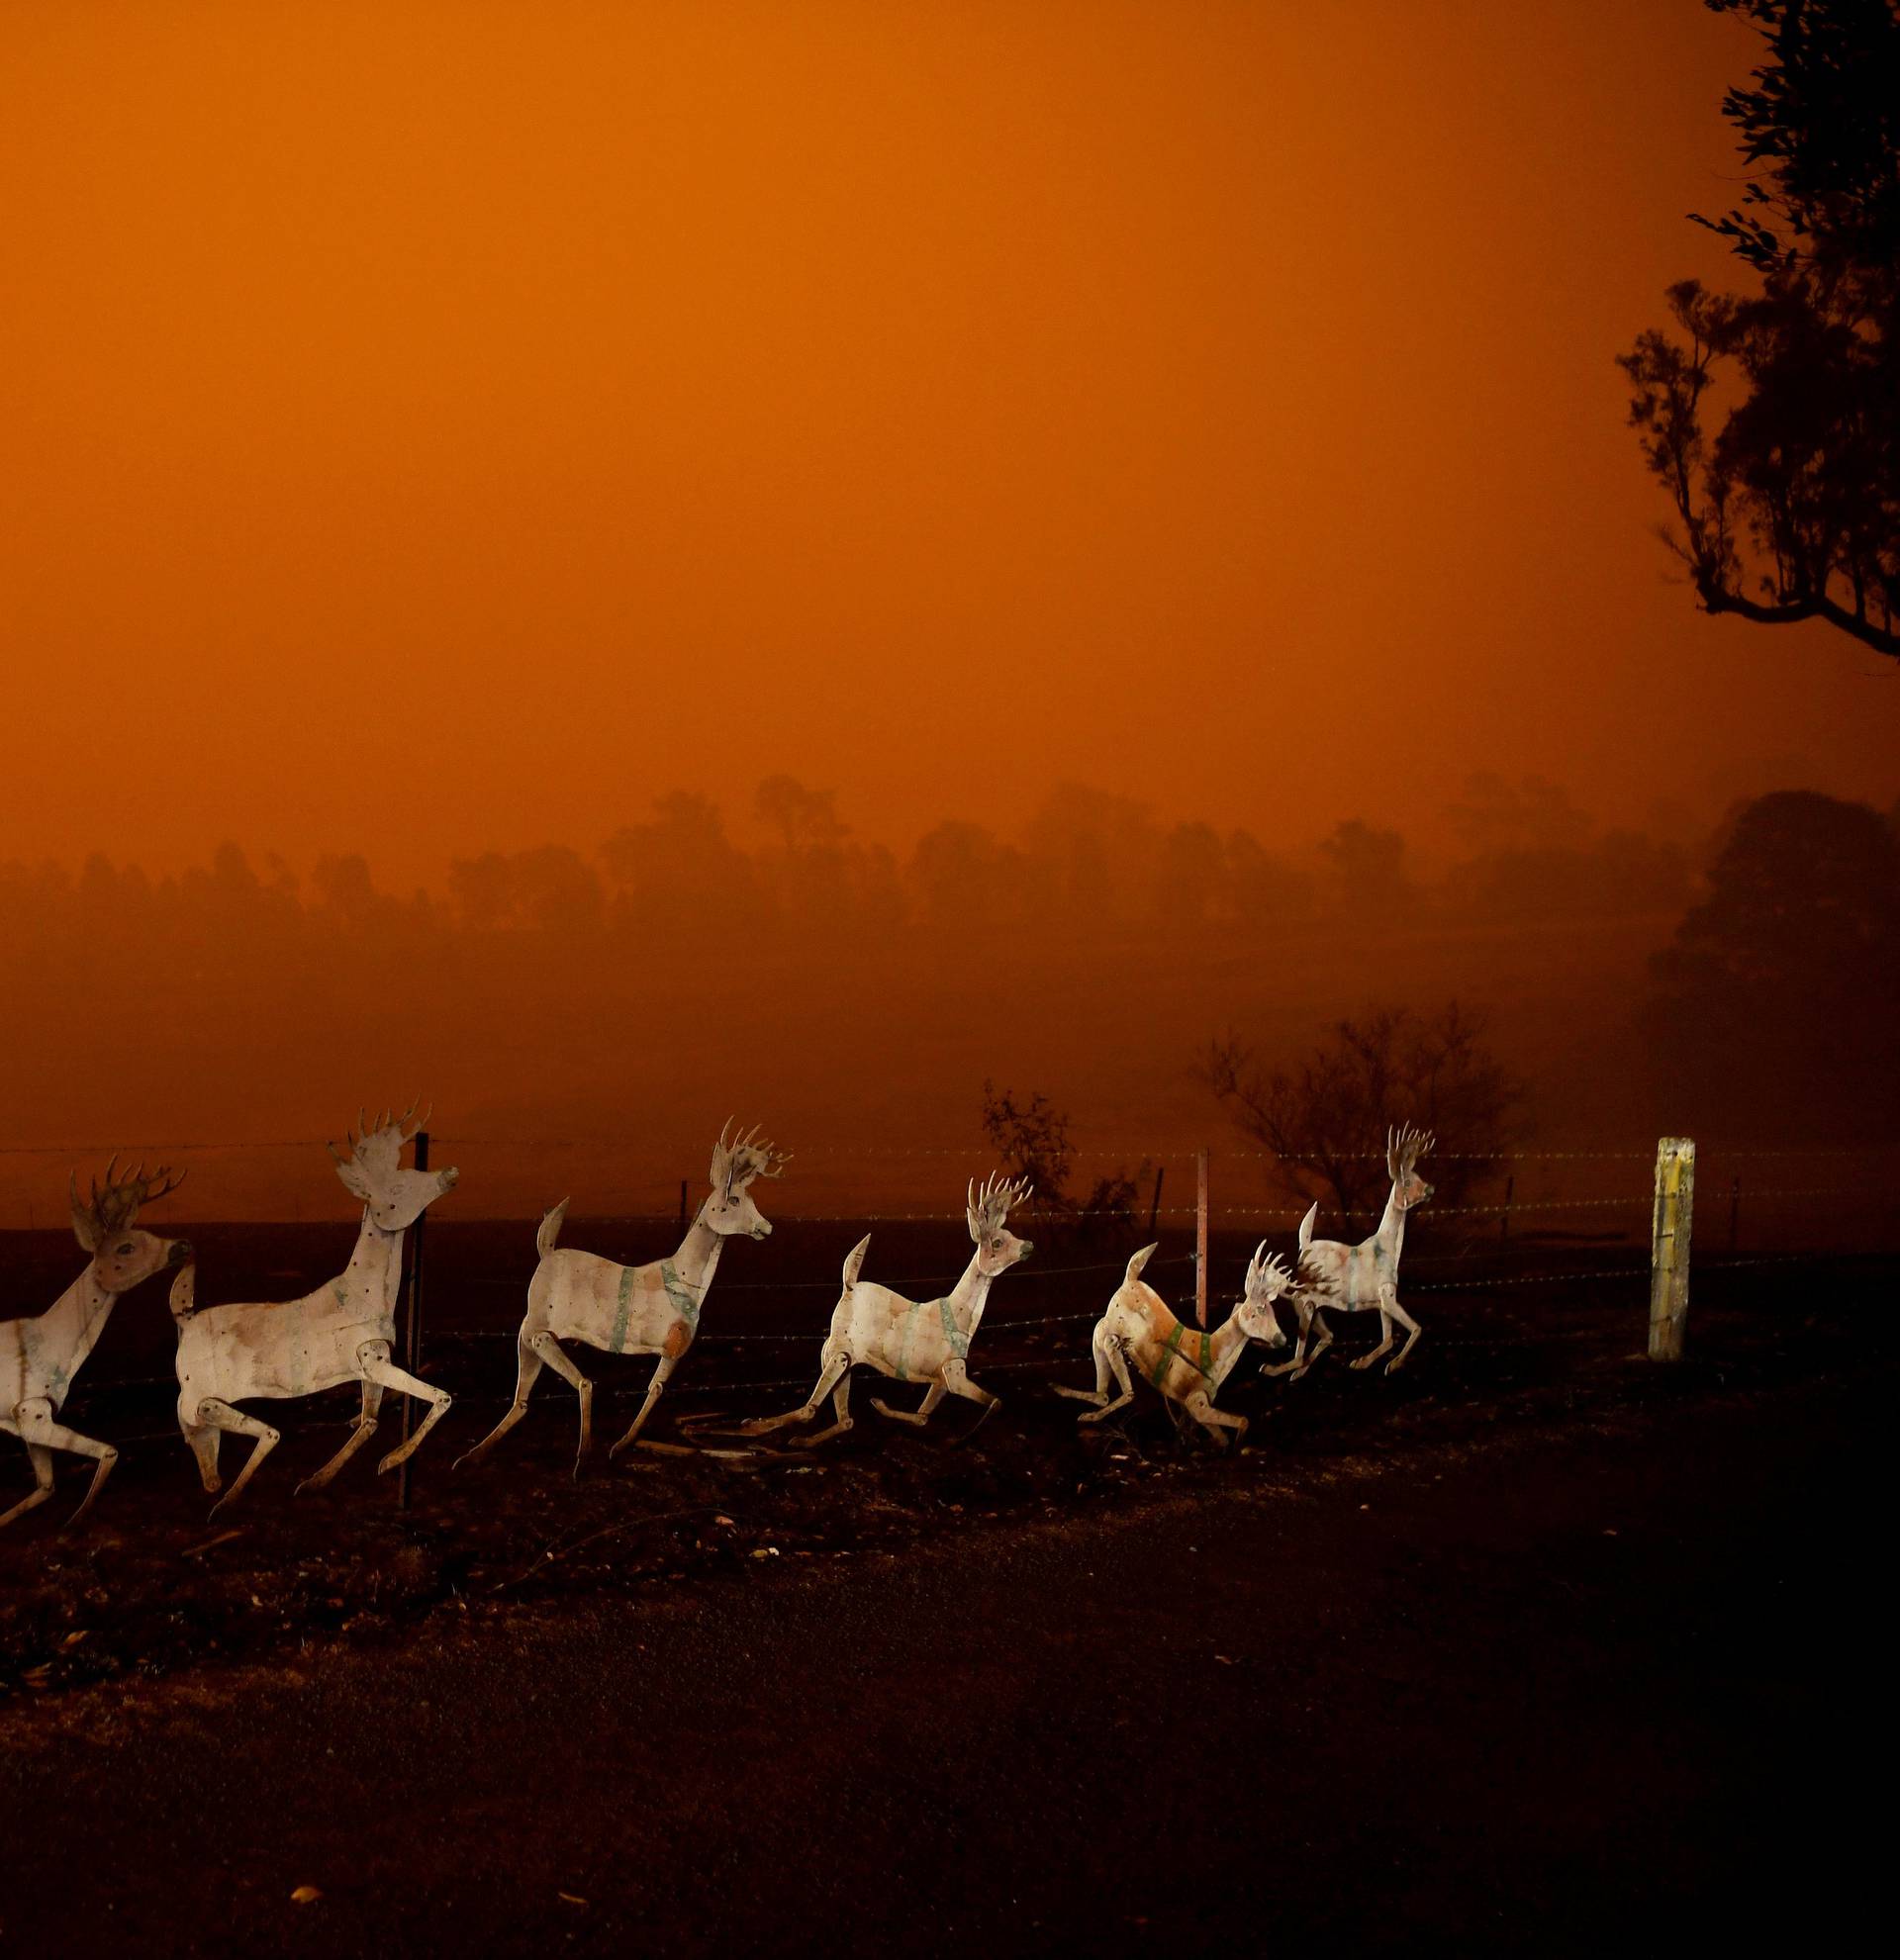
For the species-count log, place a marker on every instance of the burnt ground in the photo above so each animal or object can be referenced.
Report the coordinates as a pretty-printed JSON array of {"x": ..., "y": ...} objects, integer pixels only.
[{"x": 1531, "y": 1645}]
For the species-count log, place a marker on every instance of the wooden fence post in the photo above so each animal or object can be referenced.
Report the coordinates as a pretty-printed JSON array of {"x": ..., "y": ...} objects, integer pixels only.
[
  {"x": 1154, "y": 1205},
  {"x": 413, "y": 1318},
  {"x": 1200, "y": 1237},
  {"x": 1504, "y": 1216},
  {"x": 1670, "y": 1247}
]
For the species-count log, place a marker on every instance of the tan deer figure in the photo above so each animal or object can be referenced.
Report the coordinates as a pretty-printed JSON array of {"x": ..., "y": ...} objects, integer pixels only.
[
  {"x": 650, "y": 1309},
  {"x": 1186, "y": 1365},
  {"x": 1361, "y": 1279},
  {"x": 345, "y": 1331},
  {"x": 908, "y": 1340},
  {"x": 41, "y": 1355}
]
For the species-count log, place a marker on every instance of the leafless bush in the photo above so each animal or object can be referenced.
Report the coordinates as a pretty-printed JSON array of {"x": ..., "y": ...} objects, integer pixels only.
[
  {"x": 1032, "y": 1138},
  {"x": 1325, "y": 1119}
]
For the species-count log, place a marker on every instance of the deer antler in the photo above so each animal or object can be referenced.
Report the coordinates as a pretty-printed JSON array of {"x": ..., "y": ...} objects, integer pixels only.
[
  {"x": 114, "y": 1208},
  {"x": 753, "y": 1157},
  {"x": 993, "y": 1202}
]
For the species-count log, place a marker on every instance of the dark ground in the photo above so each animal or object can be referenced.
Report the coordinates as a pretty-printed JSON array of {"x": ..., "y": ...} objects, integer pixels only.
[{"x": 1530, "y": 1647}]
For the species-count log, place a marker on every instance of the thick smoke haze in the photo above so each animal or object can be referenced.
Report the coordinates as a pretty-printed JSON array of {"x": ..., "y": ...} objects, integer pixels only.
[
  {"x": 440, "y": 428},
  {"x": 584, "y": 1019}
]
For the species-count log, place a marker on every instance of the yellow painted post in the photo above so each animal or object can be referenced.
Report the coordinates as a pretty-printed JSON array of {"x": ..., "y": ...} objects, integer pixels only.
[{"x": 1670, "y": 1247}]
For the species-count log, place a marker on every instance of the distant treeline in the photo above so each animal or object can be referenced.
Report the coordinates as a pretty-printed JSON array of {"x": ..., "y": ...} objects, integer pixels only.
[{"x": 1087, "y": 859}]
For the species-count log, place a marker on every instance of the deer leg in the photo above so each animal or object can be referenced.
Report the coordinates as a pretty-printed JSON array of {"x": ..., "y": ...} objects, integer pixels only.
[
  {"x": 204, "y": 1441},
  {"x": 1326, "y": 1336},
  {"x": 41, "y": 1459},
  {"x": 1385, "y": 1345},
  {"x": 837, "y": 1368},
  {"x": 221, "y": 1415},
  {"x": 360, "y": 1431},
  {"x": 1109, "y": 1347},
  {"x": 1405, "y": 1321},
  {"x": 373, "y": 1358},
  {"x": 842, "y": 1419},
  {"x": 1098, "y": 1395},
  {"x": 915, "y": 1417},
  {"x": 1296, "y": 1367},
  {"x": 959, "y": 1383},
  {"x": 528, "y": 1368},
  {"x": 1215, "y": 1420},
  {"x": 38, "y": 1431},
  {"x": 661, "y": 1369},
  {"x": 555, "y": 1355}
]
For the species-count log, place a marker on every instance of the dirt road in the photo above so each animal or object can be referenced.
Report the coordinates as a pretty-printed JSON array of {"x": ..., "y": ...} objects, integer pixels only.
[{"x": 1587, "y": 1683}]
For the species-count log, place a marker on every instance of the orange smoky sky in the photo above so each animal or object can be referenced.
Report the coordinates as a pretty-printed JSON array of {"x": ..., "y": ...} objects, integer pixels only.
[{"x": 432, "y": 428}]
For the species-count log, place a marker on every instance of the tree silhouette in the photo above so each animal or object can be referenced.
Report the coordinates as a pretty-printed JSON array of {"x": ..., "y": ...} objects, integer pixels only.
[
  {"x": 1773, "y": 1012},
  {"x": 1325, "y": 1119},
  {"x": 1791, "y": 509}
]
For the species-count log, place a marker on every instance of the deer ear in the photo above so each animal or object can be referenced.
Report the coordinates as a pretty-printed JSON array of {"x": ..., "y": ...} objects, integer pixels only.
[
  {"x": 85, "y": 1227},
  {"x": 354, "y": 1182}
]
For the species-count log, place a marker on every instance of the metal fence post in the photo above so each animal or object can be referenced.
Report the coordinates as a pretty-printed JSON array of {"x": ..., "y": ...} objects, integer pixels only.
[
  {"x": 413, "y": 1319},
  {"x": 1670, "y": 1247},
  {"x": 1200, "y": 1237}
]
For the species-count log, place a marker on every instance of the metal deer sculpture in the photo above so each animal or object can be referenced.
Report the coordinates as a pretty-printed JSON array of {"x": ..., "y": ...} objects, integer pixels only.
[
  {"x": 38, "y": 1357},
  {"x": 909, "y": 1339},
  {"x": 1187, "y": 1366},
  {"x": 1360, "y": 1278},
  {"x": 631, "y": 1309},
  {"x": 345, "y": 1331}
]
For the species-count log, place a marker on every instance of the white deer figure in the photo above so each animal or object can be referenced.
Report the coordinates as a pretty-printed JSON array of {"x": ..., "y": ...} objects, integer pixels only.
[
  {"x": 908, "y": 1340},
  {"x": 1187, "y": 1364},
  {"x": 651, "y": 1309},
  {"x": 345, "y": 1331},
  {"x": 40, "y": 1355},
  {"x": 1364, "y": 1278}
]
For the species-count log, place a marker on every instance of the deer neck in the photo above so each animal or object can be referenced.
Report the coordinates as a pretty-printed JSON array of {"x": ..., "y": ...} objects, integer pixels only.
[
  {"x": 1389, "y": 1239},
  {"x": 697, "y": 1259},
  {"x": 969, "y": 1295},
  {"x": 1227, "y": 1341},
  {"x": 67, "y": 1330},
  {"x": 375, "y": 1268}
]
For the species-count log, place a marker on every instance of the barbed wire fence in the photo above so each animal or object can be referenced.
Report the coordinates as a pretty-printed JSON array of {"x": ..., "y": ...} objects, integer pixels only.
[{"x": 1531, "y": 1233}]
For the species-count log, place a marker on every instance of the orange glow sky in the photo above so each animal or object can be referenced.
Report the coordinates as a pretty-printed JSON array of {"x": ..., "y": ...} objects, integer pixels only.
[{"x": 432, "y": 428}]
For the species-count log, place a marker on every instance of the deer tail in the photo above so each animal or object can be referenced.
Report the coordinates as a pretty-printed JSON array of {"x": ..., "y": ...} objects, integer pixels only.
[
  {"x": 1136, "y": 1263},
  {"x": 184, "y": 1293},
  {"x": 1307, "y": 1225},
  {"x": 854, "y": 1261},
  {"x": 551, "y": 1228}
]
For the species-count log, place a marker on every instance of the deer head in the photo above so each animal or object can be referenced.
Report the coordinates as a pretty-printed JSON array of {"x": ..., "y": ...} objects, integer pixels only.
[
  {"x": 730, "y": 1211},
  {"x": 1268, "y": 1277},
  {"x": 103, "y": 1223},
  {"x": 997, "y": 1248},
  {"x": 373, "y": 1172},
  {"x": 1403, "y": 1148}
]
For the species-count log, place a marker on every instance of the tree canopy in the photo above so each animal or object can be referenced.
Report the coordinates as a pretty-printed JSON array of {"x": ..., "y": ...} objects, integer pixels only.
[{"x": 1772, "y": 418}]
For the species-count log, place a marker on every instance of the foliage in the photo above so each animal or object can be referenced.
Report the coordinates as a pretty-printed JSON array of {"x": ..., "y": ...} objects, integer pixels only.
[
  {"x": 1790, "y": 510},
  {"x": 1772, "y": 1013},
  {"x": 1325, "y": 1119},
  {"x": 1032, "y": 1138}
]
